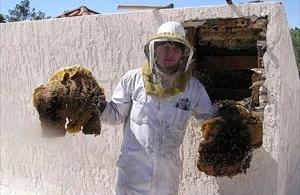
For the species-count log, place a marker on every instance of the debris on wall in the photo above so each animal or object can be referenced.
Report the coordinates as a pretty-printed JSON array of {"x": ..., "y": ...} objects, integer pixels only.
[{"x": 69, "y": 100}]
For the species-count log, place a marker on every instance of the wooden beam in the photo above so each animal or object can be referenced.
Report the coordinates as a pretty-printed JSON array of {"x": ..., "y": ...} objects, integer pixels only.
[{"x": 230, "y": 62}]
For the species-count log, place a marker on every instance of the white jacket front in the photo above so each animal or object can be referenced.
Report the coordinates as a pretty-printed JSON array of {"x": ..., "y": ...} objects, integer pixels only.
[{"x": 153, "y": 132}]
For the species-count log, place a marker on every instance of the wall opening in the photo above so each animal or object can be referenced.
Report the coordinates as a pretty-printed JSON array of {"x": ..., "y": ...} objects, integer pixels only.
[
  {"x": 228, "y": 56},
  {"x": 228, "y": 61}
]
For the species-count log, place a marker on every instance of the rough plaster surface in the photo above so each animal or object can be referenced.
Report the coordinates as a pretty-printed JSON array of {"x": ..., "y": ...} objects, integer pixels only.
[{"x": 33, "y": 162}]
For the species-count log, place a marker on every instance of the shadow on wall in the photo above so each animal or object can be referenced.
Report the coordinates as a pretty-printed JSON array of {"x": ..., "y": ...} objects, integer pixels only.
[
  {"x": 263, "y": 168},
  {"x": 292, "y": 183},
  {"x": 48, "y": 132}
]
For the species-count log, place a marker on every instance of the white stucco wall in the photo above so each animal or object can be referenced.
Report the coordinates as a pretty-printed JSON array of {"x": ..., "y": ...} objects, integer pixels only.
[{"x": 33, "y": 162}]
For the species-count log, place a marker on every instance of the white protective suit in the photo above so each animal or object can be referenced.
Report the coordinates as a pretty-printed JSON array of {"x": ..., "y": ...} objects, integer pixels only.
[{"x": 153, "y": 132}]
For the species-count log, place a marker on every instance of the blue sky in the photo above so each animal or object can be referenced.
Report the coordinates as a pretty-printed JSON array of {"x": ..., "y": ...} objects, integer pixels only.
[{"x": 55, "y": 8}]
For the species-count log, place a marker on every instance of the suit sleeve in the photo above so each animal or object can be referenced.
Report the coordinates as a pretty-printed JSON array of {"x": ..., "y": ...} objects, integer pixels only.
[
  {"x": 117, "y": 110},
  {"x": 202, "y": 108}
]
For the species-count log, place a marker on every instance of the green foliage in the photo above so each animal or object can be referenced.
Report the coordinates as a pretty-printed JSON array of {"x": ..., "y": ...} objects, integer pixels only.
[
  {"x": 2, "y": 19},
  {"x": 295, "y": 34},
  {"x": 22, "y": 12}
]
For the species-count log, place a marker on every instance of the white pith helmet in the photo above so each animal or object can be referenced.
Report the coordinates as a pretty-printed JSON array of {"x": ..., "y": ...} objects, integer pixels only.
[
  {"x": 172, "y": 28},
  {"x": 169, "y": 31}
]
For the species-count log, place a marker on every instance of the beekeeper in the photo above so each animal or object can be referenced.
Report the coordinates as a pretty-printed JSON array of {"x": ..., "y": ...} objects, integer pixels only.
[{"x": 155, "y": 103}]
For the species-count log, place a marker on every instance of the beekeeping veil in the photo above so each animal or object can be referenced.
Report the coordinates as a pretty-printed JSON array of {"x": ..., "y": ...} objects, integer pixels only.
[{"x": 157, "y": 82}]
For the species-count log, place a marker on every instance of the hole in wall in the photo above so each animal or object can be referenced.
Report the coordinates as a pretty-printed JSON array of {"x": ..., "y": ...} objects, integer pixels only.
[
  {"x": 228, "y": 62},
  {"x": 226, "y": 49}
]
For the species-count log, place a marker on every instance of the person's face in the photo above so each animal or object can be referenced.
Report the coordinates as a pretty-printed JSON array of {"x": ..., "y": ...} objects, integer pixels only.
[{"x": 168, "y": 56}]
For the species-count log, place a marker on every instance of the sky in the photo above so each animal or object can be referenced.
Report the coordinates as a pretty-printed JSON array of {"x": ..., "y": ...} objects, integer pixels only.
[{"x": 57, "y": 7}]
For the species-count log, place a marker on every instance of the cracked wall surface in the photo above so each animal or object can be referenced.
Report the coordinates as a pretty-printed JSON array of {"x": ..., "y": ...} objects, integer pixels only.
[{"x": 33, "y": 162}]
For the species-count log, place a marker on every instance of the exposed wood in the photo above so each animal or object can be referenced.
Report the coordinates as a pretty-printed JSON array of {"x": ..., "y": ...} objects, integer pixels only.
[
  {"x": 231, "y": 94},
  {"x": 191, "y": 35},
  {"x": 208, "y": 51},
  {"x": 231, "y": 62},
  {"x": 252, "y": 35},
  {"x": 226, "y": 50}
]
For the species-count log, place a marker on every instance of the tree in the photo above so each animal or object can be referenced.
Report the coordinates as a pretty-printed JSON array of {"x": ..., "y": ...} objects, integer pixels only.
[
  {"x": 2, "y": 19},
  {"x": 22, "y": 12},
  {"x": 295, "y": 34}
]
